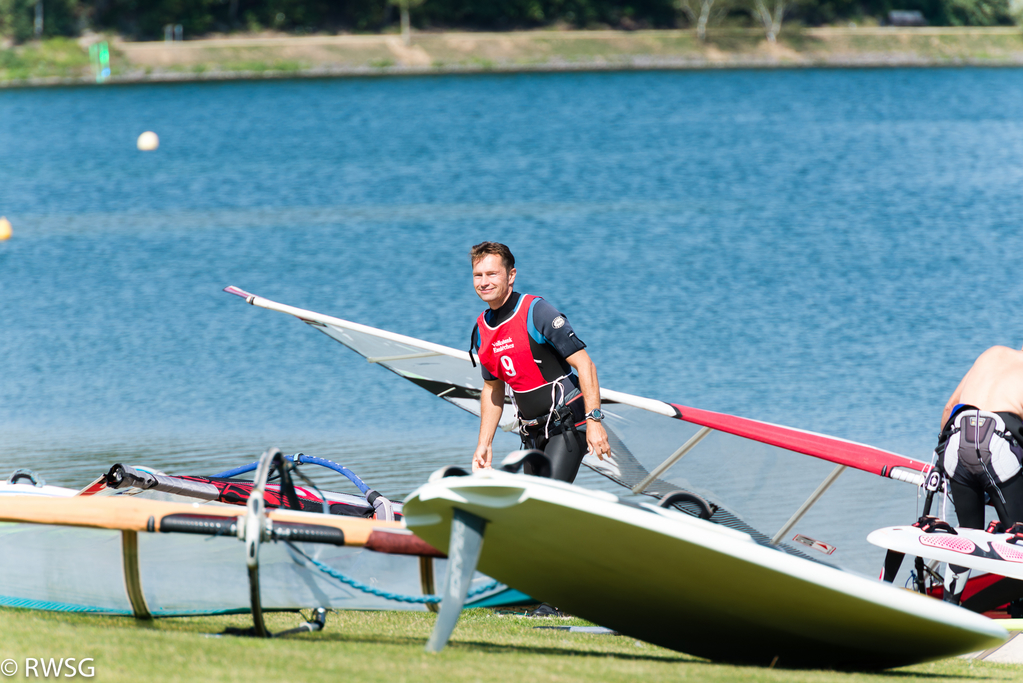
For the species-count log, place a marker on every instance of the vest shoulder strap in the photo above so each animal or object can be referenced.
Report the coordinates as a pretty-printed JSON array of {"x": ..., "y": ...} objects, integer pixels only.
[{"x": 473, "y": 344}]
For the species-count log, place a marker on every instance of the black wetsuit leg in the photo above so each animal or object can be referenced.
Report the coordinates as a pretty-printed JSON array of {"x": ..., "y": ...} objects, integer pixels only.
[
  {"x": 969, "y": 504},
  {"x": 1012, "y": 510},
  {"x": 566, "y": 452}
]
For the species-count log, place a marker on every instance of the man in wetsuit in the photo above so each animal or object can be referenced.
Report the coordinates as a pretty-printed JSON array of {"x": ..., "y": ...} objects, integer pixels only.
[
  {"x": 524, "y": 342},
  {"x": 980, "y": 448}
]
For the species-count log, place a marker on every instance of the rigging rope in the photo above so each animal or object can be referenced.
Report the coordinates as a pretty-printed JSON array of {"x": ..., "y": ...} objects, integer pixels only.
[
  {"x": 387, "y": 595},
  {"x": 298, "y": 459}
]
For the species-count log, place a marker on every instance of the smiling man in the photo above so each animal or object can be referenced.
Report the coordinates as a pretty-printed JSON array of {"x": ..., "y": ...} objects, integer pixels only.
[{"x": 525, "y": 343}]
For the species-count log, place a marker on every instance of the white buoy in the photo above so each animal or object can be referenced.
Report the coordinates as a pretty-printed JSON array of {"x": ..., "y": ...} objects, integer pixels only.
[
  {"x": 148, "y": 141},
  {"x": 5, "y": 228}
]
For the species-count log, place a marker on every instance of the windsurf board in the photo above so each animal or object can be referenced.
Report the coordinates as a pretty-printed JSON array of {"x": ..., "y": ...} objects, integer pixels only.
[
  {"x": 973, "y": 548},
  {"x": 690, "y": 585}
]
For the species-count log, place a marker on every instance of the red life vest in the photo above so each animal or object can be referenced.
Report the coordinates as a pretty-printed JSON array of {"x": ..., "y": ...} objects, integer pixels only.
[{"x": 504, "y": 350}]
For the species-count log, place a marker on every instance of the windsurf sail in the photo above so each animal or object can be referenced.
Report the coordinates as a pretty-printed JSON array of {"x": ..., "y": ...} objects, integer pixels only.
[
  {"x": 751, "y": 472},
  {"x": 155, "y": 544}
]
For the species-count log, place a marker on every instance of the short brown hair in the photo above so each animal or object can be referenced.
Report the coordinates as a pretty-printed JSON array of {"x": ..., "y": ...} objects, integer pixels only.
[{"x": 484, "y": 249}]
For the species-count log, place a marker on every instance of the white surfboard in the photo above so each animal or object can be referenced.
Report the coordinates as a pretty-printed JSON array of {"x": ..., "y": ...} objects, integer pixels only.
[
  {"x": 971, "y": 548},
  {"x": 28, "y": 489},
  {"x": 687, "y": 584}
]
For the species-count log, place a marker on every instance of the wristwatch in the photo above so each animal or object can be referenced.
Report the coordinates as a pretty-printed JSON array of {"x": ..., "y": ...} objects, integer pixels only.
[{"x": 595, "y": 414}]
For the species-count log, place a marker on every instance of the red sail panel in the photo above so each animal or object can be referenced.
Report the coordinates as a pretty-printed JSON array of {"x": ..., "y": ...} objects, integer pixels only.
[{"x": 838, "y": 451}]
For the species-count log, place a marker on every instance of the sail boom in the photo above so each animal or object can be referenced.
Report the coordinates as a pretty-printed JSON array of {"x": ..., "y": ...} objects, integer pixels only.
[{"x": 832, "y": 449}]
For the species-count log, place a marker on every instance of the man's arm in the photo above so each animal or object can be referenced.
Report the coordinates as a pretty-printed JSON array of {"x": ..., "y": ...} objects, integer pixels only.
[
  {"x": 491, "y": 409},
  {"x": 596, "y": 436},
  {"x": 952, "y": 401}
]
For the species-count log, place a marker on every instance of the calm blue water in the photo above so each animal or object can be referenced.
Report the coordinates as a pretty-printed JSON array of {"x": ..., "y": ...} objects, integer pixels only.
[{"x": 824, "y": 249}]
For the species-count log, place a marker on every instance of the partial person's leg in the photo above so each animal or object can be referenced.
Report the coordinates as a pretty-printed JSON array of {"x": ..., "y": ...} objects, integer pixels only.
[
  {"x": 566, "y": 452},
  {"x": 969, "y": 504},
  {"x": 1012, "y": 510}
]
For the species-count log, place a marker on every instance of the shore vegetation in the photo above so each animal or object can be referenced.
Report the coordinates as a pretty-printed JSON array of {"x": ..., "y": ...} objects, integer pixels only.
[
  {"x": 61, "y": 60},
  {"x": 22, "y": 20},
  {"x": 53, "y": 58}
]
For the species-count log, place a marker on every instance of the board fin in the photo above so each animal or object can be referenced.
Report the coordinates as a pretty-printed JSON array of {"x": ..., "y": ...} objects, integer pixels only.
[{"x": 463, "y": 555}]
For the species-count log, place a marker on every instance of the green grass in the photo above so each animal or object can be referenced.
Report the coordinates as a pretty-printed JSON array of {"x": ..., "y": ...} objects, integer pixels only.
[
  {"x": 481, "y": 63},
  {"x": 388, "y": 646},
  {"x": 54, "y": 57}
]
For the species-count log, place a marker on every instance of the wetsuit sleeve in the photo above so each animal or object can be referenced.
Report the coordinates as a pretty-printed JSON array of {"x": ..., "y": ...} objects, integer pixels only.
[{"x": 556, "y": 329}]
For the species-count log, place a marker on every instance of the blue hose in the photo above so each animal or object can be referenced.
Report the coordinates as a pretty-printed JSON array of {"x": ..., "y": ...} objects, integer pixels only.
[{"x": 302, "y": 458}]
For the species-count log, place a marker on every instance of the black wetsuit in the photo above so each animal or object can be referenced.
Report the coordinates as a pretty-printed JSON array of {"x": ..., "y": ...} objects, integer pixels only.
[
  {"x": 555, "y": 427},
  {"x": 985, "y": 461}
]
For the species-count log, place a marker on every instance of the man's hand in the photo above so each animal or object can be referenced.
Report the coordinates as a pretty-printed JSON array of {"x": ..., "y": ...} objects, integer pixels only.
[
  {"x": 481, "y": 458},
  {"x": 596, "y": 439}
]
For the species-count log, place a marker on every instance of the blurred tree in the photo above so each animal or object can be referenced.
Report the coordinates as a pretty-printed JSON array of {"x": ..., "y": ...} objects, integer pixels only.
[
  {"x": 506, "y": 14},
  {"x": 770, "y": 17},
  {"x": 1016, "y": 11},
  {"x": 17, "y": 18},
  {"x": 302, "y": 15},
  {"x": 146, "y": 18},
  {"x": 978, "y": 12},
  {"x": 406, "y": 22},
  {"x": 818, "y": 12},
  {"x": 937, "y": 12},
  {"x": 702, "y": 12}
]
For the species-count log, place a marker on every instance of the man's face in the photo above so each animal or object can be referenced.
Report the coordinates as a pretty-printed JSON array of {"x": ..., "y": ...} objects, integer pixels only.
[{"x": 493, "y": 283}]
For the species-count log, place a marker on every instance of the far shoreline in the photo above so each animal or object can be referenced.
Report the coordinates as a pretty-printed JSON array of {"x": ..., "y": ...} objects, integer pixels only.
[{"x": 238, "y": 58}]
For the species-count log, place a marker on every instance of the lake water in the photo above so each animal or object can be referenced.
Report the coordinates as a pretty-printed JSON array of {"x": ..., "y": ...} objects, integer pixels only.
[{"x": 824, "y": 249}]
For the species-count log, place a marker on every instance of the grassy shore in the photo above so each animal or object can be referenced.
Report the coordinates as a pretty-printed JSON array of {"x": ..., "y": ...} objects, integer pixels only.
[
  {"x": 63, "y": 61},
  {"x": 388, "y": 646}
]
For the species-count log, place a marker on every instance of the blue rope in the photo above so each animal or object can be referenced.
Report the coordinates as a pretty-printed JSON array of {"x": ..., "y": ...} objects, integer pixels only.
[
  {"x": 330, "y": 464},
  {"x": 234, "y": 472},
  {"x": 301, "y": 458},
  {"x": 387, "y": 595}
]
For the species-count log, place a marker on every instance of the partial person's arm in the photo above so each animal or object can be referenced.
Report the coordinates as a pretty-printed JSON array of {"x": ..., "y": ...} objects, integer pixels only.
[
  {"x": 952, "y": 401},
  {"x": 596, "y": 436},
  {"x": 491, "y": 409}
]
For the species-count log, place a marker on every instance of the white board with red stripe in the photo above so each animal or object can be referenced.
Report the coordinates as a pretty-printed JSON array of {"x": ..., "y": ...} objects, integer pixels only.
[{"x": 971, "y": 548}]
